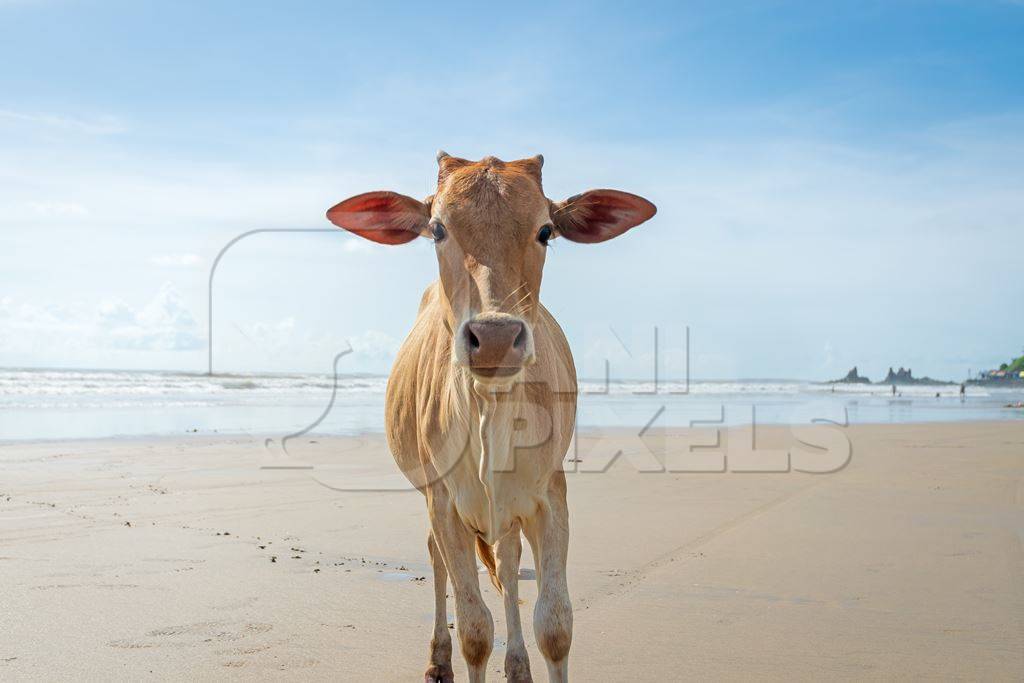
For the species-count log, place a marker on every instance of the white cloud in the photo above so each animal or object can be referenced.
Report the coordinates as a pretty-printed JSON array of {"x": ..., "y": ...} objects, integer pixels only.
[
  {"x": 103, "y": 125},
  {"x": 285, "y": 345},
  {"x": 176, "y": 260},
  {"x": 374, "y": 345},
  {"x": 58, "y": 209},
  {"x": 27, "y": 326},
  {"x": 162, "y": 324},
  {"x": 275, "y": 337},
  {"x": 356, "y": 245}
]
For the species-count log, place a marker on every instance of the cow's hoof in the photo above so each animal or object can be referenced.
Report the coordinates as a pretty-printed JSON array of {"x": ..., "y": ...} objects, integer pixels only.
[{"x": 439, "y": 673}]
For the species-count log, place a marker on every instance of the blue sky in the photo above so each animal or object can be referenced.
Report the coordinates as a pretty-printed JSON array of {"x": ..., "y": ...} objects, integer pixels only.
[{"x": 837, "y": 183}]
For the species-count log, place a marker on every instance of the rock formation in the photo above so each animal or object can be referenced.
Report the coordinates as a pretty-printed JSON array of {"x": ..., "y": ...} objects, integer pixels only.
[
  {"x": 852, "y": 378},
  {"x": 902, "y": 376}
]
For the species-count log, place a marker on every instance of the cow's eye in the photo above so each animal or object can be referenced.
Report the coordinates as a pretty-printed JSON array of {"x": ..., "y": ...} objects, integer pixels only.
[
  {"x": 438, "y": 231},
  {"x": 544, "y": 234}
]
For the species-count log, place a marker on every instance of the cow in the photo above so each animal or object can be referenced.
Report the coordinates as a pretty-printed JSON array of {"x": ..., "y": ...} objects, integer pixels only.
[{"x": 481, "y": 402}]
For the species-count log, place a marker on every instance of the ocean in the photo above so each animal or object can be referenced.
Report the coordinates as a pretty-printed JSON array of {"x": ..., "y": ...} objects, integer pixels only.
[{"x": 79, "y": 404}]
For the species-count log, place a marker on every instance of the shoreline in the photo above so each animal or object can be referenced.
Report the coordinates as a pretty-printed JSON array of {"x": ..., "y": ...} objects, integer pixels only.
[
  {"x": 228, "y": 437},
  {"x": 56, "y": 409}
]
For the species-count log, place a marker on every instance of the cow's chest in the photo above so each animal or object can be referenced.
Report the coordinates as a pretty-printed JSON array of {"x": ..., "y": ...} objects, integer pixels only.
[{"x": 495, "y": 467}]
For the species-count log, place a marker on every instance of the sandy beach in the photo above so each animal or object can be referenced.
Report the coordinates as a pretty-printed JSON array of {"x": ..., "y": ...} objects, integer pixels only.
[{"x": 182, "y": 558}]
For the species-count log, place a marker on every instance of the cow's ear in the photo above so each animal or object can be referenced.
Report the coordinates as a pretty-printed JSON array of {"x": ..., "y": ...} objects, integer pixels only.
[
  {"x": 599, "y": 215},
  {"x": 384, "y": 217}
]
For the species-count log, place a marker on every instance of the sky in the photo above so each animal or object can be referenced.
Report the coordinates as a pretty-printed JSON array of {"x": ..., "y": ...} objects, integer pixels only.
[{"x": 838, "y": 183}]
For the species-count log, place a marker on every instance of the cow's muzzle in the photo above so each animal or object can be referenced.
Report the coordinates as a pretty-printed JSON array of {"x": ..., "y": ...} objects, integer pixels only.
[{"x": 494, "y": 345}]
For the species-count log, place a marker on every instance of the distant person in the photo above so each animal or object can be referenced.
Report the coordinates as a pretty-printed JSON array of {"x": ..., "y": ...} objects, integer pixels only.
[
  {"x": 963, "y": 392},
  {"x": 893, "y": 389}
]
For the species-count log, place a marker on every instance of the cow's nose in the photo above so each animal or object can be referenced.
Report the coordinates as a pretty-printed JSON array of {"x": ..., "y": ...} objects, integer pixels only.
[{"x": 493, "y": 343}]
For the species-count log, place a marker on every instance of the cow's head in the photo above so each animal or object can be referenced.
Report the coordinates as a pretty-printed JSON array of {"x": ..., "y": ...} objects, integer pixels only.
[{"x": 491, "y": 225}]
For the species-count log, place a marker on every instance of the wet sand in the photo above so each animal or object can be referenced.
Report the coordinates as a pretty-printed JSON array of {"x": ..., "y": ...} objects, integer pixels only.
[{"x": 182, "y": 558}]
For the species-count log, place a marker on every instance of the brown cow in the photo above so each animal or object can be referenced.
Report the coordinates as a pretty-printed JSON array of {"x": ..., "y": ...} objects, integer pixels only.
[{"x": 481, "y": 402}]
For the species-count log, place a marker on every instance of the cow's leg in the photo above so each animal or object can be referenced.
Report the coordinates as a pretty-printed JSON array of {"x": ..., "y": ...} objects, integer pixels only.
[
  {"x": 473, "y": 619},
  {"x": 508, "y": 552},
  {"x": 548, "y": 533},
  {"x": 440, "y": 668}
]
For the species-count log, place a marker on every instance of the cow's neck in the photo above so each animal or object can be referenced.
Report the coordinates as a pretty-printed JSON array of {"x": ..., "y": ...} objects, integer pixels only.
[{"x": 490, "y": 417}]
